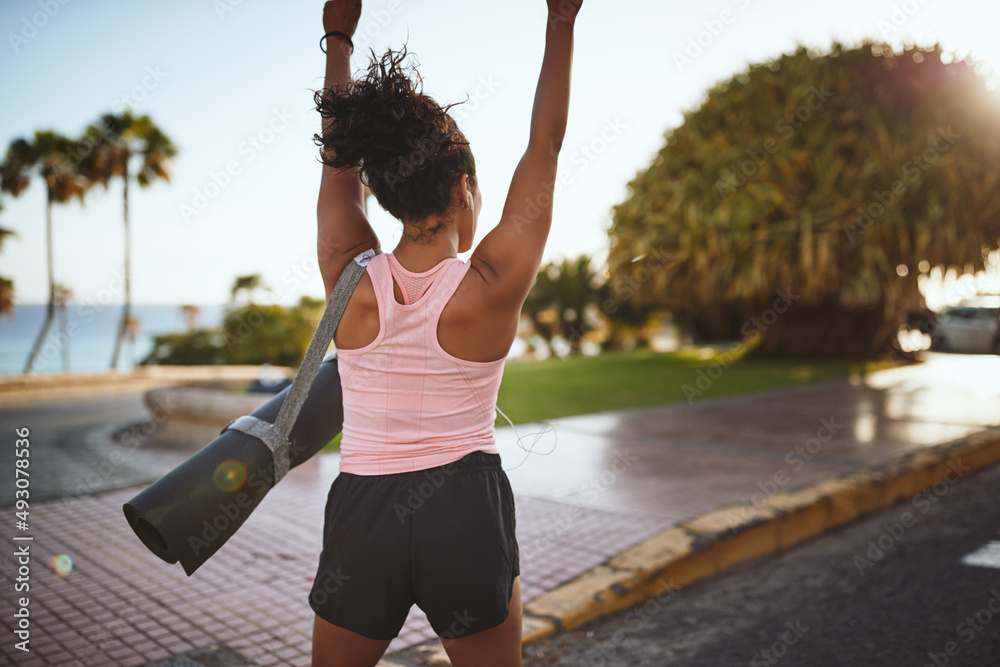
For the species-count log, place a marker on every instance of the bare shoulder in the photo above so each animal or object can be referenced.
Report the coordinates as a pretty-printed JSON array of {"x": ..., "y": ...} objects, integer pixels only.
[{"x": 473, "y": 326}]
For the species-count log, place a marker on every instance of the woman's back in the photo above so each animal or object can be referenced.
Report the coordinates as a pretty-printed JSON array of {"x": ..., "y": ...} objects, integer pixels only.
[{"x": 409, "y": 403}]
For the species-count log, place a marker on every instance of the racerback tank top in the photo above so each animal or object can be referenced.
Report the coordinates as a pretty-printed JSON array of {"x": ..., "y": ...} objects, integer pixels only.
[{"x": 408, "y": 404}]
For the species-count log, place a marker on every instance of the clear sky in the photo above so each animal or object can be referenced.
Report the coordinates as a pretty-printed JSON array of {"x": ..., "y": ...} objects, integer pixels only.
[{"x": 231, "y": 83}]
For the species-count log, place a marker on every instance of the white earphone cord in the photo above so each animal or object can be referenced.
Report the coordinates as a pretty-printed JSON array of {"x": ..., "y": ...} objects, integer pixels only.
[{"x": 547, "y": 425}]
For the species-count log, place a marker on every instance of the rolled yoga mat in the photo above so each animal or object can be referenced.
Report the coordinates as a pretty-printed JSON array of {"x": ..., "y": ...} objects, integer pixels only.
[{"x": 191, "y": 511}]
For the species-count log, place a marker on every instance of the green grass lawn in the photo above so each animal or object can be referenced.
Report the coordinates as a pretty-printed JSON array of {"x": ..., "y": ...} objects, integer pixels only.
[
  {"x": 539, "y": 390},
  {"x": 535, "y": 391}
]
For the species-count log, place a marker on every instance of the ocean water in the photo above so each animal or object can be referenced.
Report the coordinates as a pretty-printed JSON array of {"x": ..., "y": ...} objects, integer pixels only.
[{"x": 89, "y": 335}]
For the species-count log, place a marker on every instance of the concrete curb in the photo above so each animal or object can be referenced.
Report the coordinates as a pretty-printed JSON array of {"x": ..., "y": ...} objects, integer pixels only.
[
  {"x": 709, "y": 544},
  {"x": 18, "y": 389},
  {"x": 189, "y": 417}
]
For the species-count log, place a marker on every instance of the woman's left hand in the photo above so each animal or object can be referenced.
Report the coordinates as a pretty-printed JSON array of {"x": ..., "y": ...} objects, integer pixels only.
[{"x": 341, "y": 15}]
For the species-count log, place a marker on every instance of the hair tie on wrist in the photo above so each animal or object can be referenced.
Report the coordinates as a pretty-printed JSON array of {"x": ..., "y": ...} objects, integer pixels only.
[{"x": 336, "y": 33}]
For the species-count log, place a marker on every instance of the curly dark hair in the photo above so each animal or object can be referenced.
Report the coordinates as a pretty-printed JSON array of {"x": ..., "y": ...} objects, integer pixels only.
[{"x": 410, "y": 151}]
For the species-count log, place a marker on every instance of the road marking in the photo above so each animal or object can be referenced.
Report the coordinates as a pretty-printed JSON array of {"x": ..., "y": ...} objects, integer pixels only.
[{"x": 987, "y": 555}]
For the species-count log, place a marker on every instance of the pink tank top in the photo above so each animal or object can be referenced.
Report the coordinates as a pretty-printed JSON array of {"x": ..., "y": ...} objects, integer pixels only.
[{"x": 408, "y": 404}]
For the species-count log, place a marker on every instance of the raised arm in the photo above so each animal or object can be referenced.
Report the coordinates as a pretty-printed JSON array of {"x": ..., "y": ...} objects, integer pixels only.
[
  {"x": 344, "y": 230},
  {"x": 510, "y": 255}
]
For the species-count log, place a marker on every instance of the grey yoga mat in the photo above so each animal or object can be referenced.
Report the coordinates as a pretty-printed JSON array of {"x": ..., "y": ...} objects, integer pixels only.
[{"x": 190, "y": 512}]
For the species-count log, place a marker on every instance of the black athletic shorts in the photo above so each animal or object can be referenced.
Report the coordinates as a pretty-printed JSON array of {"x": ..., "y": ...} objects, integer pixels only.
[{"x": 442, "y": 538}]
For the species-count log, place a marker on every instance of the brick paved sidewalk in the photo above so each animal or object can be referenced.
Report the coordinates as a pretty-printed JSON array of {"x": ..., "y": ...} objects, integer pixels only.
[{"x": 613, "y": 479}]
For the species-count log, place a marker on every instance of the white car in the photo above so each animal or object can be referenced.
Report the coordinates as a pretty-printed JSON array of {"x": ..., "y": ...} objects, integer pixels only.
[{"x": 968, "y": 329}]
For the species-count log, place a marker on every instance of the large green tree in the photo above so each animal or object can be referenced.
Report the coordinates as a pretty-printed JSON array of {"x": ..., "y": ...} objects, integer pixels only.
[
  {"x": 800, "y": 198},
  {"x": 126, "y": 147},
  {"x": 51, "y": 155}
]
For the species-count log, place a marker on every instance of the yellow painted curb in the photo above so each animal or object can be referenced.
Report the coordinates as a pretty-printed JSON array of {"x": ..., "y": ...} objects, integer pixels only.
[
  {"x": 533, "y": 628},
  {"x": 713, "y": 542},
  {"x": 731, "y": 543},
  {"x": 572, "y": 603},
  {"x": 801, "y": 515},
  {"x": 656, "y": 553}
]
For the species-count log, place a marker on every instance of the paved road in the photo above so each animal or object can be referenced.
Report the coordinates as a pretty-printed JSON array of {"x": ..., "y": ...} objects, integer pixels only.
[
  {"x": 71, "y": 451},
  {"x": 874, "y": 593}
]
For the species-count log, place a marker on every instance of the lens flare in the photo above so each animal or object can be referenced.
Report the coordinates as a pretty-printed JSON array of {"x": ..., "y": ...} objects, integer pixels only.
[
  {"x": 62, "y": 564},
  {"x": 230, "y": 475}
]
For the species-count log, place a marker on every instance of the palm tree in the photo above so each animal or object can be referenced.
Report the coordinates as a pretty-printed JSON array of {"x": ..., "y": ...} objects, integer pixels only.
[
  {"x": 117, "y": 140},
  {"x": 6, "y": 284},
  {"x": 51, "y": 154},
  {"x": 6, "y": 297},
  {"x": 190, "y": 314},
  {"x": 132, "y": 327},
  {"x": 62, "y": 296},
  {"x": 248, "y": 284}
]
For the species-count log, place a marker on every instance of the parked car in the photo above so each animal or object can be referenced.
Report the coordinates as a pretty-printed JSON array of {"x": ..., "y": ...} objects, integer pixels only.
[{"x": 968, "y": 329}]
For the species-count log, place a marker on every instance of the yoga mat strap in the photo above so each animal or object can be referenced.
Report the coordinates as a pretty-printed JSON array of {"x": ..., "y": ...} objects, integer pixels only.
[
  {"x": 275, "y": 436},
  {"x": 266, "y": 433}
]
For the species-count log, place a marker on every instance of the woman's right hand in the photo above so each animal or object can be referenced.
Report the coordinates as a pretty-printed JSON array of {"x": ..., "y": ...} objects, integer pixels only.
[
  {"x": 563, "y": 10},
  {"x": 341, "y": 15}
]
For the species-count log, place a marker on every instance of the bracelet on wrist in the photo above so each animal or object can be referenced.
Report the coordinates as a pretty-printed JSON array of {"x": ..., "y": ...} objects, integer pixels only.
[{"x": 335, "y": 33}]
